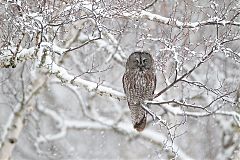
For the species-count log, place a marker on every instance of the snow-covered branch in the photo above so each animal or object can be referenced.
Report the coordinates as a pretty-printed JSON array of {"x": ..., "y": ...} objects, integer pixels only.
[
  {"x": 10, "y": 57},
  {"x": 143, "y": 14},
  {"x": 44, "y": 59},
  {"x": 179, "y": 78},
  {"x": 63, "y": 75},
  {"x": 176, "y": 23},
  {"x": 65, "y": 124},
  {"x": 180, "y": 112},
  {"x": 72, "y": 43}
]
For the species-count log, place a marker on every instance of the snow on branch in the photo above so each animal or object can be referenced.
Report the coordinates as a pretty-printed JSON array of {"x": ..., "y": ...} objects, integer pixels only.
[
  {"x": 174, "y": 22},
  {"x": 151, "y": 16},
  {"x": 62, "y": 74},
  {"x": 65, "y": 77},
  {"x": 10, "y": 57},
  {"x": 180, "y": 78},
  {"x": 100, "y": 123},
  {"x": 180, "y": 112},
  {"x": 43, "y": 58}
]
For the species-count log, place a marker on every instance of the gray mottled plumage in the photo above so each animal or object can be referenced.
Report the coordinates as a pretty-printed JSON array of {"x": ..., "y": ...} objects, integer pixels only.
[{"x": 139, "y": 83}]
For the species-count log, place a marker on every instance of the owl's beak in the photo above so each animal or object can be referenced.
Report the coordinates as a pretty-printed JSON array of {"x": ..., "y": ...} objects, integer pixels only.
[{"x": 141, "y": 67}]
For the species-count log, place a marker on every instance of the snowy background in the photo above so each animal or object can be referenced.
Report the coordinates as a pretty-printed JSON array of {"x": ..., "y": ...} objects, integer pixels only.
[{"x": 61, "y": 65}]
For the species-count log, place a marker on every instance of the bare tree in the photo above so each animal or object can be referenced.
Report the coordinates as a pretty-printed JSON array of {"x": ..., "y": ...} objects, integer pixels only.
[{"x": 61, "y": 68}]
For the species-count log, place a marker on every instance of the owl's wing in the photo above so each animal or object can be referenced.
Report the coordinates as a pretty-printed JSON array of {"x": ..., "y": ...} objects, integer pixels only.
[
  {"x": 151, "y": 81},
  {"x": 124, "y": 82},
  {"x": 155, "y": 82}
]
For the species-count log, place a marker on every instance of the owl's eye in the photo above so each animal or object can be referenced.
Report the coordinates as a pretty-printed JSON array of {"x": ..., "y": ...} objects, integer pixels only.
[{"x": 144, "y": 60}]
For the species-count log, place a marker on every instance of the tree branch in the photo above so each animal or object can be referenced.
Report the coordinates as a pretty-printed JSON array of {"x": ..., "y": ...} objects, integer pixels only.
[
  {"x": 101, "y": 123},
  {"x": 176, "y": 23},
  {"x": 15, "y": 123}
]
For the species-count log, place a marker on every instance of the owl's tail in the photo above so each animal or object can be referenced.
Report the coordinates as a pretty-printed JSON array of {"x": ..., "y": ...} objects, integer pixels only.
[
  {"x": 139, "y": 117},
  {"x": 141, "y": 125}
]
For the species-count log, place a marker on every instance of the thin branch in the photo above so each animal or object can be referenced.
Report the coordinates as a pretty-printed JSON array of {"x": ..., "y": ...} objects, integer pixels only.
[
  {"x": 150, "y": 5},
  {"x": 80, "y": 46},
  {"x": 179, "y": 112},
  {"x": 186, "y": 74}
]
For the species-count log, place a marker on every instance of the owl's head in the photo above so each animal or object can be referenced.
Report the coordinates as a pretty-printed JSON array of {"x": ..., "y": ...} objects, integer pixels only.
[{"x": 140, "y": 61}]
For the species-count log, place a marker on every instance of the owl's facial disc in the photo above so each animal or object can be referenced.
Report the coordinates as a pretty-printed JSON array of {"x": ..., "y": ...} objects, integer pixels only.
[{"x": 140, "y": 61}]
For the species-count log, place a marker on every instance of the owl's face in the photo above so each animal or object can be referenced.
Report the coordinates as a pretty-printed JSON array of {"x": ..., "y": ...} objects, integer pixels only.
[{"x": 140, "y": 61}]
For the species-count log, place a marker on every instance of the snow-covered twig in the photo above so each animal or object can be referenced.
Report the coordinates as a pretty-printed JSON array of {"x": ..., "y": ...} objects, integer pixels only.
[
  {"x": 177, "y": 79},
  {"x": 180, "y": 112},
  {"x": 158, "y": 120},
  {"x": 111, "y": 46},
  {"x": 154, "y": 116}
]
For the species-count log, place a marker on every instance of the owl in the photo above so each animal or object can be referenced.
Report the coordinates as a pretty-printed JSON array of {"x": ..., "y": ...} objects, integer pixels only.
[{"x": 139, "y": 83}]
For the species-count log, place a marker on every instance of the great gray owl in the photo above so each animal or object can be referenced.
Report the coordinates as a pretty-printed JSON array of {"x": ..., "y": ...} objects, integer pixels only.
[{"x": 139, "y": 83}]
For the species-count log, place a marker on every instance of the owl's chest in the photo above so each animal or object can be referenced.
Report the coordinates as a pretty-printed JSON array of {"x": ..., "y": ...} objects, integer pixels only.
[
  {"x": 141, "y": 86},
  {"x": 140, "y": 80}
]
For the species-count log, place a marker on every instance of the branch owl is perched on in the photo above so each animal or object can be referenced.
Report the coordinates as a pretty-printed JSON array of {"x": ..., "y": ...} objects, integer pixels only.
[{"x": 139, "y": 83}]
